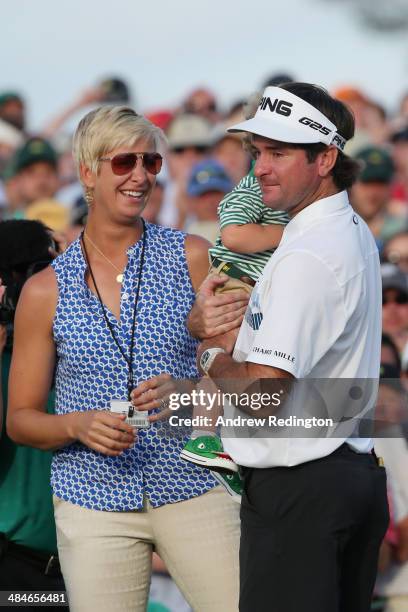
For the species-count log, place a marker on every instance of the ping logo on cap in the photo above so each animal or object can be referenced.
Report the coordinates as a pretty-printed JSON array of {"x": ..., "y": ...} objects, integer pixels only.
[
  {"x": 282, "y": 107},
  {"x": 339, "y": 141}
]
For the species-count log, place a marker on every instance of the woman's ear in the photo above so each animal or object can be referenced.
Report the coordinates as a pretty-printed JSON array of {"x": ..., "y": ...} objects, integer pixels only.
[
  {"x": 327, "y": 161},
  {"x": 87, "y": 176}
]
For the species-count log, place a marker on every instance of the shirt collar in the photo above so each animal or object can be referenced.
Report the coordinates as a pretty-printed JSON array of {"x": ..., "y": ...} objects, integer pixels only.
[{"x": 321, "y": 209}]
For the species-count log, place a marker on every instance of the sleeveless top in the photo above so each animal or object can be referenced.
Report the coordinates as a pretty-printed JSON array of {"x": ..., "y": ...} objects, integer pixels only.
[{"x": 91, "y": 371}]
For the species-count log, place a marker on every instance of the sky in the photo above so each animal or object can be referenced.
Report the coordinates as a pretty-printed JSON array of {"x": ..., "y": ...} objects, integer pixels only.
[{"x": 51, "y": 51}]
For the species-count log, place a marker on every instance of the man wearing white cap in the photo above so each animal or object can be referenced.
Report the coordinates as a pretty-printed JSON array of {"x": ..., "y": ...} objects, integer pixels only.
[{"x": 314, "y": 510}]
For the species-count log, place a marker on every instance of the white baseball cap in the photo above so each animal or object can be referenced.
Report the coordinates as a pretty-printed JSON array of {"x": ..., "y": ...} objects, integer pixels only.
[{"x": 285, "y": 117}]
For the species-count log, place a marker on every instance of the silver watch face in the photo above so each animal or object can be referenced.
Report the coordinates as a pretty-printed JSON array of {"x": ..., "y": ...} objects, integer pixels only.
[{"x": 205, "y": 358}]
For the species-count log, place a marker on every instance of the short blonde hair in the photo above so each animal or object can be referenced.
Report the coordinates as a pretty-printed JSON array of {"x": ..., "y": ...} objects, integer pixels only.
[{"x": 110, "y": 127}]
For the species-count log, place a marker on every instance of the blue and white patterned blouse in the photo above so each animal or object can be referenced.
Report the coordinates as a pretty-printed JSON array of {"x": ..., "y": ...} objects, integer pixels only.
[{"x": 91, "y": 371}]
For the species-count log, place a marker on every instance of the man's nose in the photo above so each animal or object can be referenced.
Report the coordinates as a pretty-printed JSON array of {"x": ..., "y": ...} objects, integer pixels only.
[{"x": 262, "y": 166}]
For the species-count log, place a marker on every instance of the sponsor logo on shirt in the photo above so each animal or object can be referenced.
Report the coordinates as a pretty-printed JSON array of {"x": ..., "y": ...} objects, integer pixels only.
[
  {"x": 280, "y": 354},
  {"x": 253, "y": 315}
]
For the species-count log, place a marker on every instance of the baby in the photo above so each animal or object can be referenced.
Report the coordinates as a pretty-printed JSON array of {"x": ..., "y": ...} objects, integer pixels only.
[{"x": 250, "y": 232}]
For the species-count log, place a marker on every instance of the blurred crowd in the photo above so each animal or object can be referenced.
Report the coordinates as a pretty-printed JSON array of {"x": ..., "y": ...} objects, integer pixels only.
[{"x": 202, "y": 162}]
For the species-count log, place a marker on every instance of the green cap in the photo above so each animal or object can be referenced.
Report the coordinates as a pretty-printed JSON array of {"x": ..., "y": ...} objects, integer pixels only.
[
  {"x": 377, "y": 165},
  {"x": 33, "y": 151},
  {"x": 7, "y": 96}
]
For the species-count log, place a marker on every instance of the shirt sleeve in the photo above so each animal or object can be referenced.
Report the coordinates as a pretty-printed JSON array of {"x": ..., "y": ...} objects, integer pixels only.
[
  {"x": 302, "y": 315},
  {"x": 242, "y": 205}
]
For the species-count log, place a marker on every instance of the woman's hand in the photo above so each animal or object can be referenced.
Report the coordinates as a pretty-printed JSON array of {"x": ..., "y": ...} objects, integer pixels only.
[
  {"x": 103, "y": 431},
  {"x": 154, "y": 393},
  {"x": 215, "y": 314}
]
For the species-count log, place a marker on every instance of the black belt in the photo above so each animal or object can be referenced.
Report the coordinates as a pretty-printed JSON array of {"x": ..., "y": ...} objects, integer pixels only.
[
  {"x": 232, "y": 271},
  {"x": 46, "y": 563}
]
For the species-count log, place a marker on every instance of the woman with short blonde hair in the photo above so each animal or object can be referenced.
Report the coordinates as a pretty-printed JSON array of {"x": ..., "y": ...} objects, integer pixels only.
[{"x": 108, "y": 314}]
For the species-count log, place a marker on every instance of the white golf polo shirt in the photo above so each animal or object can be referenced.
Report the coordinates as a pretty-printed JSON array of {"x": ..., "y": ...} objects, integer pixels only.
[{"x": 315, "y": 313}]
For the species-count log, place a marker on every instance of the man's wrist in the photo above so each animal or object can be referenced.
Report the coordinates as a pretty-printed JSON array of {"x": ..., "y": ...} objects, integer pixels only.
[{"x": 208, "y": 356}]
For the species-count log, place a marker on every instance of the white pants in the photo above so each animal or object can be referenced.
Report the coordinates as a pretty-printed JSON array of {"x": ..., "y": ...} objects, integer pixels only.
[{"x": 106, "y": 556}]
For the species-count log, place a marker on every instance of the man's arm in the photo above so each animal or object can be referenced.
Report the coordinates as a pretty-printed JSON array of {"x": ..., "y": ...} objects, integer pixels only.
[
  {"x": 244, "y": 377},
  {"x": 31, "y": 376}
]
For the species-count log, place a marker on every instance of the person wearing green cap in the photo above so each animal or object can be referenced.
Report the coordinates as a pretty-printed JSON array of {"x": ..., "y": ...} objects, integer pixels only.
[
  {"x": 34, "y": 173},
  {"x": 12, "y": 109},
  {"x": 371, "y": 194}
]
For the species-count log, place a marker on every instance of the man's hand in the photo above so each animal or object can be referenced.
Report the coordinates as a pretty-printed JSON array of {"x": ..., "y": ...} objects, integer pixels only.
[
  {"x": 103, "y": 431},
  {"x": 213, "y": 315}
]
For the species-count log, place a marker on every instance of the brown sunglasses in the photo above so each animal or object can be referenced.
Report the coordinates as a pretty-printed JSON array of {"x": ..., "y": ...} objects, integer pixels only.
[{"x": 123, "y": 163}]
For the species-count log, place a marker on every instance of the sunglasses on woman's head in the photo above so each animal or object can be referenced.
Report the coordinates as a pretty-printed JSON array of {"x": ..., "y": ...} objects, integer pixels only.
[{"x": 123, "y": 163}]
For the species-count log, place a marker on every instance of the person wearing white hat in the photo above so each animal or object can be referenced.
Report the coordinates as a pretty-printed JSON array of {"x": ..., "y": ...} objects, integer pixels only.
[{"x": 314, "y": 509}]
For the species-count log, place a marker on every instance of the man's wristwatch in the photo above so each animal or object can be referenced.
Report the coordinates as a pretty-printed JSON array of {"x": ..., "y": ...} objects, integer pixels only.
[{"x": 207, "y": 358}]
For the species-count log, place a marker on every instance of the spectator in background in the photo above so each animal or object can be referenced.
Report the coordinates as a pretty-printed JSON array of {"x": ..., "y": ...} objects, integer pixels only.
[
  {"x": 12, "y": 109},
  {"x": 392, "y": 582},
  {"x": 206, "y": 187},
  {"x": 33, "y": 168},
  {"x": 227, "y": 147},
  {"x": 152, "y": 211},
  {"x": 10, "y": 139},
  {"x": 389, "y": 352},
  {"x": 10, "y": 196},
  {"x": 371, "y": 193},
  {"x": 399, "y": 141},
  {"x": 370, "y": 118},
  {"x": 28, "y": 547},
  {"x": 396, "y": 250},
  {"x": 190, "y": 140},
  {"x": 395, "y": 305},
  {"x": 202, "y": 102},
  {"x": 229, "y": 152}
]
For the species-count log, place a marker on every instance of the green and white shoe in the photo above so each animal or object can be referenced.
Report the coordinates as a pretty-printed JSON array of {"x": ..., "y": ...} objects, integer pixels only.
[
  {"x": 231, "y": 482},
  {"x": 207, "y": 451}
]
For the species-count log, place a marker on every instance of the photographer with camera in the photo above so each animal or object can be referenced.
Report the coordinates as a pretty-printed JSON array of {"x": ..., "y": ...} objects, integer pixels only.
[{"x": 28, "y": 548}]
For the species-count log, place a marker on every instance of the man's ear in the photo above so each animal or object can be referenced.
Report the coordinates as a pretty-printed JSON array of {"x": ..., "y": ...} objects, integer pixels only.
[
  {"x": 87, "y": 176},
  {"x": 327, "y": 160}
]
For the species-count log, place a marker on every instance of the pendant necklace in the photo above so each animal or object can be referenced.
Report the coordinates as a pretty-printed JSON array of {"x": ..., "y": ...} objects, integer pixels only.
[
  {"x": 128, "y": 359},
  {"x": 119, "y": 277}
]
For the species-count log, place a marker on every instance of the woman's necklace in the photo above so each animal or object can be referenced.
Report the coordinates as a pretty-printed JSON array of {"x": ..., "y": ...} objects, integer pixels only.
[{"x": 119, "y": 277}]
